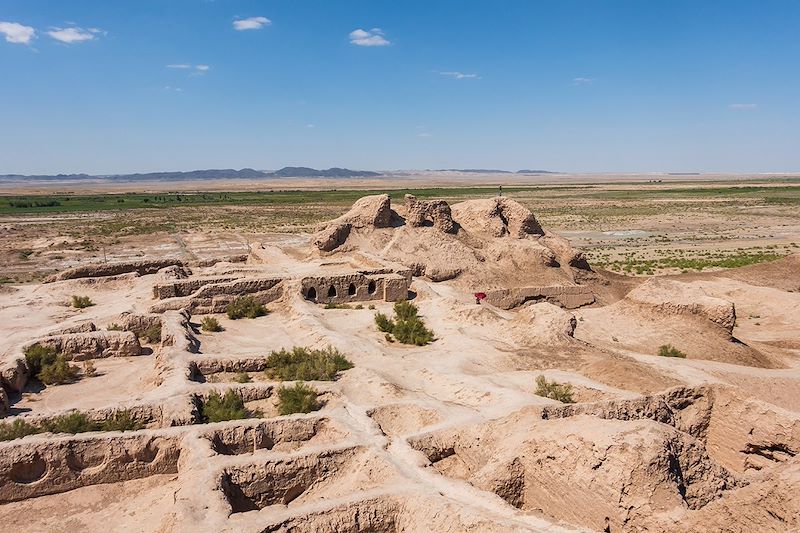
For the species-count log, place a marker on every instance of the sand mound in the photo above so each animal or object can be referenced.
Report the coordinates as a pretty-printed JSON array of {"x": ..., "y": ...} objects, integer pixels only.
[{"x": 485, "y": 244}]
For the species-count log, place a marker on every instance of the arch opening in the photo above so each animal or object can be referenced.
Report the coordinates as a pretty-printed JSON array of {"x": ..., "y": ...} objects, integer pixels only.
[
  {"x": 371, "y": 288},
  {"x": 311, "y": 294},
  {"x": 351, "y": 290},
  {"x": 332, "y": 292}
]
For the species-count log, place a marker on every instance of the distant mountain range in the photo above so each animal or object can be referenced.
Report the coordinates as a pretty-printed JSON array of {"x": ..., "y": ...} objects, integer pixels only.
[
  {"x": 228, "y": 173},
  {"x": 495, "y": 171}
]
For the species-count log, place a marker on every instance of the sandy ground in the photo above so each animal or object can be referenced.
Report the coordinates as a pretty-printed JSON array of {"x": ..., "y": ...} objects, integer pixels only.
[{"x": 458, "y": 422}]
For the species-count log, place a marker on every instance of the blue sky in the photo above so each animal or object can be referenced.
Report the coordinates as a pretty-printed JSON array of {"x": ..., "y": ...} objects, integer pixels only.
[{"x": 658, "y": 85}]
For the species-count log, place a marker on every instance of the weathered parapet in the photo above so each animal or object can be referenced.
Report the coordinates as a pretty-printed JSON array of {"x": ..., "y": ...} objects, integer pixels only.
[
  {"x": 567, "y": 296},
  {"x": 94, "y": 344},
  {"x": 112, "y": 269},
  {"x": 186, "y": 287},
  {"x": 34, "y": 467},
  {"x": 355, "y": 287},
  {"x": 437, "y": 212},
  {"x": 265, "y": 434},
  {"x": 215, "y": 297},
  {"x": 138, "y": 323}
]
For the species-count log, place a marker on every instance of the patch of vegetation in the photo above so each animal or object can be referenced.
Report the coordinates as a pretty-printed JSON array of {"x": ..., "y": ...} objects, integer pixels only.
[
  {"x": 59, "y": 372},
  {"x": 406, "y": 327},
  {"x": 561, "y": 392},
  {"x": 242, "y": 377},
  {"x": 81, "y": 302},
  {"x": 209, "y": 323},
  {"x": 306, "y": 364},
  {"x": 114, "y": 327},
  {"x": 668, "y": 350},
  {"x": 71, "y": 423},
  {"x": 218, "y": 408},
  {"x": 37, "y": 356},
  {"x": 152, "y": 334},
  {"x": 337, "y": 306},
  {"x": 299, "y": 398},
  {"x": 245, "y": 307}
]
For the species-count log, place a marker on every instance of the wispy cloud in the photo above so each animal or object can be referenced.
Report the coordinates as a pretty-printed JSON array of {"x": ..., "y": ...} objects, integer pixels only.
[
  {"x": 311, "y": 126},
  {"x": 251, "y": 23},
  {"x": 424, "y": 134},
  {"x": 198, "y": 69},
  {"x": 373, "y": 37},
  {"x": 459, "y": 75},
  {"x": 17, "y": 33},
  {"x": 74, "y": 34},
  {"x": 582, "y": 81},
  {"x": 743, "y": 107}
]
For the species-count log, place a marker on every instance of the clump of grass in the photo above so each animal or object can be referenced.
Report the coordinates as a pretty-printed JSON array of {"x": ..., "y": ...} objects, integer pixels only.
[
  {"x": 668, "y": 350},
  {"x": 114, "y": 327},
  {"x": 242, "y": 377},
  {"x": 299, "y": 398},
  {"x": 245, "y": 307},
  {"x": 152, "y": 334},
  {"x": 121, "y": 421},
  {"x": 46, "y": 365},
  {"x": 218, "y": 408},
  {"x": 337, "y": 306},
  {"x": 406, "y": 327},
  {"x": 561, "y": 392},
  {"x": 71, "y": 423},
  {"x": 211, "y": 324},
  {"x": 306, "y": 364},
  {"x": 81, "y": 302},
  {"x": 59, "y": 372}
]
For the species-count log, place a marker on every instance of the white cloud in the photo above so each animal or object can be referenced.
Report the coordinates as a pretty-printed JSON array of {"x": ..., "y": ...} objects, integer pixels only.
[
  {"x": 460, "y": 75},
  {"x": 424, "y": 134},
  {"x": 198, "y": 69},
  {"x": 373, "y": 37},
  {"x": 17, "y": 33},
  {"x": 582, "y": 81},
  {"x": 743, "y": 107},
  {"x": 311, "y": 126},
  {"x": 252, "y": 23},
  {"x": 74, "y": 34}
]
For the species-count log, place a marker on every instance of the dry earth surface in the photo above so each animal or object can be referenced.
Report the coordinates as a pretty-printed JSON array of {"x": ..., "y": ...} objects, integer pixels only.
[{"x": 452, "y": 435}]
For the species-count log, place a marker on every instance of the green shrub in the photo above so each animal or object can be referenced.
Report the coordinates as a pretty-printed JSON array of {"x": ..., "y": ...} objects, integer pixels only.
[
  {"x": 37, "y": 356},
  {"x": 59, "y": 372},
  {"x": 305, "y": 364},
  {"x": 210, "y": 323},
  {"x": 218, "y": 408},
  {"x": 297, "y": 399},
  {"x": 245, "y": 307},
  {"x": 242, "y": 377},
  {"x": 668, "y": 350},
  {"x": 121, "y": 421},
  {"x": 70, "y": 423},
  {"x": 17, "y": 429},
  {"x": 152, "y": 334},
  {"x": 81, "y": 302},
  {"x": 384, "y": 323},
  {"x": 337, "y": 306},
  {"x": 407, "y": 327},
  {"x": 561, "y": 392}
]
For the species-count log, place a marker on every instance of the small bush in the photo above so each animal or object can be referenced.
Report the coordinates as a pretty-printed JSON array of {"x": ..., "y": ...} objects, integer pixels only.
[
  {"x": 297, "y": 399},
  {"x": 337, "y": 306},
  {"x": 81, "y": 302},
  {"x": 245, "y": 307},
  {"x": 359, "y": 306},
  {"x": 305, "y": 364},
  {"x": 38, "y": 356},
  {"x": 114, "y": 327},
  {"x": 242, "y": 377},
  {"x": 210, "y": 323},
  {"x": 668, "y": 350},
  {"x": 152, "y": 334},
  {"x": 561, "y": 392},
  {"x": 70, "y": 423},
  {"x": 17, "y": 429},
  {"x": 407, "y": 327},
  {"x": 58, "y": 373},
  {"x": 371, "y": 307},
  {"x": 384, "y": 323},
  {"x": 218, "y": 408},
  {"x": 121, "y": 421}
]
